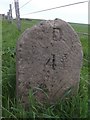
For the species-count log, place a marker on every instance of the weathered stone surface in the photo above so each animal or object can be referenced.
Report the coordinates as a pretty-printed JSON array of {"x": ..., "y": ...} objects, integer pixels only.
[{"x": 49, "y": 58}]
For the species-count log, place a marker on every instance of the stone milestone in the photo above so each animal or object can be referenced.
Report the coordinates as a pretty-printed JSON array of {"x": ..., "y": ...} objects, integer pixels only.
[{"x": 48, "y": 61}]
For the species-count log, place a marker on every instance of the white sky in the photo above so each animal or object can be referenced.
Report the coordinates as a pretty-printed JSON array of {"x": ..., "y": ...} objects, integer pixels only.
[{"x": 77, "y": 13}]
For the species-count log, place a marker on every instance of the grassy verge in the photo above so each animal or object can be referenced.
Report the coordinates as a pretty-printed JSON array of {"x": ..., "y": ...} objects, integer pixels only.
[
  {"x": 69, "y": 108},
  {"x": 0, "y": 66}
]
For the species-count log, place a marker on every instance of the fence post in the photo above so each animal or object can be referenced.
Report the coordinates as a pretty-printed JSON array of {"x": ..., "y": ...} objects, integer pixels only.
[
  {"x": 17, "y": 14},
  {"x": 11, "y": 19},
  {"x": 8, "y": 16}
]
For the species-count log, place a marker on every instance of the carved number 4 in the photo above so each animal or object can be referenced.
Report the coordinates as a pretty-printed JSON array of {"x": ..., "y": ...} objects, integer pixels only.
[{"x": 52, "y": 61}]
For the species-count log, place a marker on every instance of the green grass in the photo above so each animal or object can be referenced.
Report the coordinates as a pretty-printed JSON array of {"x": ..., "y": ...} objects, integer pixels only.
[
  {"x": 71, "y": 107},
  {"x": 0, "y": 65}
]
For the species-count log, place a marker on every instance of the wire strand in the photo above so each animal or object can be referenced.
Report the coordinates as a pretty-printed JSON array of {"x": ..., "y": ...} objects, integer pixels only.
[
  {"x": 25, "y": 4},
  {"x": 56, "y": 7}
]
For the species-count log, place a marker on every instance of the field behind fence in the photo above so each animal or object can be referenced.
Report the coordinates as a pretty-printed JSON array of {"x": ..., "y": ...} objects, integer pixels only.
[{"x": 15, "y": 6}]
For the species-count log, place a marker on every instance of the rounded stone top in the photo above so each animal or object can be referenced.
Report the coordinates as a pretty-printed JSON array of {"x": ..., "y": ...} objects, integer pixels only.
[{"x": 49, "y": 59}]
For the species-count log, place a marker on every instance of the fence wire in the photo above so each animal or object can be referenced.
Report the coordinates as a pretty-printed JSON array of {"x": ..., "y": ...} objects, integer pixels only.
[{"x": 56, "y": 7}]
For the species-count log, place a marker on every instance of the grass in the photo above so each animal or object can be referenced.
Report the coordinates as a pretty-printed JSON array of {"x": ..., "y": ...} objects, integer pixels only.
[
  {"x": 0, "y": 65},
  {"x": 72, "y": 107}
]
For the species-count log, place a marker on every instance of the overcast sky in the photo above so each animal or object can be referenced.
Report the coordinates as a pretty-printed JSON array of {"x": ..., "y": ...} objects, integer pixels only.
[{"x": 77, "y": 13}]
